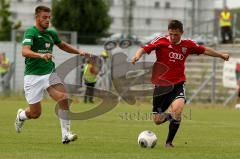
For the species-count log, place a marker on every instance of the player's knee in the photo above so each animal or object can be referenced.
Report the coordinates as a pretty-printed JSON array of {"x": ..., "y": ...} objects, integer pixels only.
[
  {"x": 62, "y": 97},
  {"x": 177, "y": 116},
  {"x": 64, "y": 103},
  {"x": 159, "y": 119}
]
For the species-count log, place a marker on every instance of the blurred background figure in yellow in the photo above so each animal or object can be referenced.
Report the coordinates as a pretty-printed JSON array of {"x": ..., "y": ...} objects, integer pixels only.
[
  {"x": 90, "y": 73},
  {"x": 104, "y": 54},
  {"x": 4, "y": 67},
  {"x": 225, "y": 21}
]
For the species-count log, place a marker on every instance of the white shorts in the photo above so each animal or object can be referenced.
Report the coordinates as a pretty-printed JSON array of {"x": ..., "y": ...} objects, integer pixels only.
[{"x": 34, "y": 86}]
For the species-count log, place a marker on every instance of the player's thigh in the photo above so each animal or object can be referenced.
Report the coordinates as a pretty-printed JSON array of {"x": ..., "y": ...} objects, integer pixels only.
[
  {"x": 161, "y": 102},
  {"x": 57, "y": 92},
  {"x": 33, "y": 89}
]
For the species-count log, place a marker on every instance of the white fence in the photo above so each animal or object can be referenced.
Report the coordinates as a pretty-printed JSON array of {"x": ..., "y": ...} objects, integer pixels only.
[{"x": 198, "y": 69}]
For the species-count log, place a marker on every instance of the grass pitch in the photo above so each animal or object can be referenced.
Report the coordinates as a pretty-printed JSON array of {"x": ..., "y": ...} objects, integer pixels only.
[{"x": 211, "y": 132}]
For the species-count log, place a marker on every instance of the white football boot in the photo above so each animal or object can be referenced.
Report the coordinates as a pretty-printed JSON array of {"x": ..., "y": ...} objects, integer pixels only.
[
  {"x": 19, "y": 123},
  {"x": 68, "y": 137}
]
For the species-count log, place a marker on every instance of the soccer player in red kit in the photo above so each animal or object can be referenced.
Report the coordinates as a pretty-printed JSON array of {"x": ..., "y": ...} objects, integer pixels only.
[{"x": 171, "y": 53}]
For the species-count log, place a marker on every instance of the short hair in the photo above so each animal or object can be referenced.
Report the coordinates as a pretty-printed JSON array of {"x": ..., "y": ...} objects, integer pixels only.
[
  {"x": 175, "y": 24},
  {"x": 39, "y": 9}
]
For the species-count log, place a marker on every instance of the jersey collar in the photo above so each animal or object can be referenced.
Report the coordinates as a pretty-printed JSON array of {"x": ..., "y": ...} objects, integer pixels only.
[
  {"x": 39, "y": 31},
  {"x": 176, "y": 43}
]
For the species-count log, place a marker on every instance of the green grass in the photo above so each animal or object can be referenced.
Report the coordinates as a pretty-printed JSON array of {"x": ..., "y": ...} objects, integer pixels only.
[{"x": 212, "y": 133}]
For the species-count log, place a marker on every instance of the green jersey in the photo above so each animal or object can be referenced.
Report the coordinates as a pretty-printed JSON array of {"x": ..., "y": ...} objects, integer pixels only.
[{"x": 40, "y": 42}]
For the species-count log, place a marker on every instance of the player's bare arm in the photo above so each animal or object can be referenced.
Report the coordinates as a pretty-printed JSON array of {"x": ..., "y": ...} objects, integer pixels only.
[
  {"x": 68, "y": 48},
  {"x": 214, "y": 53},
  {"x": 27, "y": 52},
  {"x": 138, "y": 55}
]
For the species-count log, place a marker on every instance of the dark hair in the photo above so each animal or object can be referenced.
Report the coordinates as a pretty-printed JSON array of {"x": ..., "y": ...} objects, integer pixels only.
[
  {"x": 42, "y": 8},
  {"x": 175, "y": 24}
]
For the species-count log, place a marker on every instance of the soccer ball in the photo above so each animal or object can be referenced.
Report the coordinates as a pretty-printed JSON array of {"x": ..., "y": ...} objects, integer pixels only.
[{"x": 147, "y": 139}]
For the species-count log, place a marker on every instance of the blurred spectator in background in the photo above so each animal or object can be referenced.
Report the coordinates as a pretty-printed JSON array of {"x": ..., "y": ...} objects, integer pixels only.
[
  {"x": 90, "y": 72},
  {"x": 104, "y": 54},
  {"x": 4, "y": 67},
  {"x": 225, "y": 19}
]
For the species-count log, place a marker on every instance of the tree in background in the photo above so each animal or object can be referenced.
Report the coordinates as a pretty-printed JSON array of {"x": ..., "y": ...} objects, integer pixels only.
[
  {"x": 5, "y": 23},
  {"x": 88, "y": 17}
]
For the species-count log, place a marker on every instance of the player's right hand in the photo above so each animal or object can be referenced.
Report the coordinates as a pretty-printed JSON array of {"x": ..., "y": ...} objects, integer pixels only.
[
  {"x": 83, "y": 53},
  {"x": 46, "y": 56},
  {"x": 225, "y": 56},
  {"x": 134, "y": 60}
]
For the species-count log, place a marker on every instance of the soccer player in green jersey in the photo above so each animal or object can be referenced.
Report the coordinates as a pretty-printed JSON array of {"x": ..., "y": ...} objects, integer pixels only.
[{"x": 37, "y": 49}]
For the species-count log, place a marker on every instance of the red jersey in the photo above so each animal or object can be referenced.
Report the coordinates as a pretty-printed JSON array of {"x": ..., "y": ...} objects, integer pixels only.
[{"x": 172, "y": 57}]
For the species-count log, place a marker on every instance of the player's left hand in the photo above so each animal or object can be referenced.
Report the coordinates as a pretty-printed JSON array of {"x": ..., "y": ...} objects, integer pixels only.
[
  {"x": 47, "y": 56},
  {"x": 225, "y": 56}
]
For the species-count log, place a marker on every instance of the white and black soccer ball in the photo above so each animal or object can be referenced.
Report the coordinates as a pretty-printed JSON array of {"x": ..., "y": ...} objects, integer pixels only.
[{"x": 147, "y": 139}]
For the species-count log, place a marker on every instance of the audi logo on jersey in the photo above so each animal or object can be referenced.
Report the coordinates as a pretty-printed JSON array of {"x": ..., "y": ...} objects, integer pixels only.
[{"x": 175, "y": 56}]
